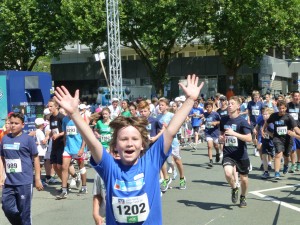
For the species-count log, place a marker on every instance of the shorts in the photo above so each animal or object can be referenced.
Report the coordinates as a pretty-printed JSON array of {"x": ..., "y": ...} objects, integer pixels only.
[
  {"x": 259, "y": 138},
  {"x": 74, "y": 156},
  {"x": 214, "y": 139},
  {"x": 56, "y": 156},
  {"x": 196, "y": 129},
  {"x": 267, "y": 149},
  {"x": 242, "y": 166},
  {"x": 296, "y": 144},
  {"x": 286, "y": 148},
  {"x": 176, "y": 152}
]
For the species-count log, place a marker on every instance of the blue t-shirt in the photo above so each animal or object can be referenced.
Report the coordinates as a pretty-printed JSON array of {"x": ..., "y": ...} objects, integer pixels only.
[
  {"x": 235, "y": 148},
  {"x": 135, "y": 189},
  {"x": 211, "y": 131},
  {"x": 18, "y": 152},
  {"x": 196, "y": 120},
  {"x": 73, "y": 137},
  {"x": 165, "y": 119},
  {"x": 254, "y": 109},
  {"x": 267, "y": 141},
  {"x": 243, "y": 108},
  {"x": 153, "y": 127}
]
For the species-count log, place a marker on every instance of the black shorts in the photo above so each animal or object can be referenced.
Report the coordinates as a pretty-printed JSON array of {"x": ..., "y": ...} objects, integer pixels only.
[
  {"x": 196, "y": 129},
  {"x": 242, "y": 166},
  {"x": 267, "y": 149},
  {"x": 56, "y": 156},
  {"x": 285, "y": 148}
]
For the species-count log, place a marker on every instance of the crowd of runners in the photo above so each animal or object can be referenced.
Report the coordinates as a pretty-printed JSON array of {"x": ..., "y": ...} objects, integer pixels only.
[{"x": 135, "y": 149}]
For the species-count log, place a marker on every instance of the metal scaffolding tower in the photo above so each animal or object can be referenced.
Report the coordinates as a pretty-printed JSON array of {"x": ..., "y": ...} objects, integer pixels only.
[{"x": 114, "y": 51}]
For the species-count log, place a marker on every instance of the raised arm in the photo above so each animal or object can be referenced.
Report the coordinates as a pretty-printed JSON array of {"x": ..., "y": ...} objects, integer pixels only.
[
  {"x": 70, "y": 104},
  {"x": 191, "y": 91}
]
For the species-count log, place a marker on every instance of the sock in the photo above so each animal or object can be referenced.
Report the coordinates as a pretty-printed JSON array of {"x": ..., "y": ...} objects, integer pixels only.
[
  {"x": 84, "y": 187},
  {"x": 65, "y": 190}
]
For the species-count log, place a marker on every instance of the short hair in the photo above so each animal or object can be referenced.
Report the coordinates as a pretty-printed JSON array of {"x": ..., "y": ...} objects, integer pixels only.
[
  {"x": 281, "y": 103},
  {"x": 209, "y": 102},
  {"x": 143, "y": 105},
  {"x": 53, "y": 101},
  {"x": 165, "y": 100},
  {"x": 133, "y": 105},
  {"x": 269, "y": 110},
  {"x": 294, "y": 92},
  {"x": 17, "y": 115},
  {"x": 236, "y": 99},
  {"x": 254, "y": 92},
  {"x": 140, "y": 123},
  {"x": 105, "y": 109}
]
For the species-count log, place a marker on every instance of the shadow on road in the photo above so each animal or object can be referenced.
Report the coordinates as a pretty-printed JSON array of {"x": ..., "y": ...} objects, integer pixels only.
[{"x": 206, "y": 205}]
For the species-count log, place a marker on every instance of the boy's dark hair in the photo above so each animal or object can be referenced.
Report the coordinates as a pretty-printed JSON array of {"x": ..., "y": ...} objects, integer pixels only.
[
  {"x": 17, "y": 115},
  {"x": 209, "y": 102},
  {"x": 120, "y": 122},
  {"x": 281, "y": 103}
]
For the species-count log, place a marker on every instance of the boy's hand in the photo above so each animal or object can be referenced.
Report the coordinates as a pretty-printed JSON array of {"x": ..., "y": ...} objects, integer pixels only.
[
  {"x": 66, "y": 101},
  {"x": 39, "y": 185},
  {"x": 192, "y": 90}
]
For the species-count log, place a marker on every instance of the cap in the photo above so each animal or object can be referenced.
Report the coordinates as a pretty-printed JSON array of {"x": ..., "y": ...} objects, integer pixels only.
[
  {"x": 223, "y": 98},
  {"x": 177, "y": 99},
  {"x": 171, "y": 103},
  {"x": 39, "y": 121},
  {"x": 114, "y": 100},
  {"x": 82, "y": 106},
  {"x": 182, "y": 98},
  {"x": 98, "y": 110},
  {"x": 46, "y": 111}
]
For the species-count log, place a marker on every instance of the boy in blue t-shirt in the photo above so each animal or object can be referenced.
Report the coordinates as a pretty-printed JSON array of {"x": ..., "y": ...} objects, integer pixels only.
[
  {"x": 18, "y": 150},
  {"x": 132, "y": 183},
  {"x": 196, "y": 114}
]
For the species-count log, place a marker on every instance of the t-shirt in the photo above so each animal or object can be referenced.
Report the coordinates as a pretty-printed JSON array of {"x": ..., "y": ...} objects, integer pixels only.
[
  {"x": 153, "y": 127},
  {"x": 56, "y": 128},
  {"x": 210, "y": 130},
  {"x": 73, "y": 137},
  {"x": 243, "y": 108},
  {"x": 105, "y": 131},
  {"x": 18, "y": 152},
  {"x": 126, "y": 114},
  {"x": 114, "y": 112},
  {"x": 222, "y": 112},
  {"x": 294, "y": 110},
  {"x": 281, "y": 126},
  {"x": 99, "y": 189},
  {"x": 196, "y": 120},
  {"x": 165, "y": 119},
  {"x": 233, "y": 147},
  {"x": 133, "y": 192},
  {"x": 254, "y": 109},
  {"x": 40, "y": 136}
]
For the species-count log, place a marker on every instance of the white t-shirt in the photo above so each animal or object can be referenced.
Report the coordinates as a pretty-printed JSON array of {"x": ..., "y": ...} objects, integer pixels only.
[{"x": 40, "y": 136}]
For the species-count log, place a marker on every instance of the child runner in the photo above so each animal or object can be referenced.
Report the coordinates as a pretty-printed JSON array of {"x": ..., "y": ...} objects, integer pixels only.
[
  {"x": 132, "y": 184},
  {"x": 212, "y": 121},
  {"x": 18, "y": 151},
  {"x": 196, "y": 114},
  {"x": 102, "y": 129},
  {"x": 283, "y": 143},
  {"x": 235, "y": 132}
]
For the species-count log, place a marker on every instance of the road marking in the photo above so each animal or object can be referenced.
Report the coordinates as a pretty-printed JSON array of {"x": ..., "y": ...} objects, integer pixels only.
[{"x": 266, "y": 197}]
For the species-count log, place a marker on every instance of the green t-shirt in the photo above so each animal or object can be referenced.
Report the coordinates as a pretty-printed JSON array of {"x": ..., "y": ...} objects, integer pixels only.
[
  {"x": 106, "y": 133},
  {"x": 126, "y": 114}
]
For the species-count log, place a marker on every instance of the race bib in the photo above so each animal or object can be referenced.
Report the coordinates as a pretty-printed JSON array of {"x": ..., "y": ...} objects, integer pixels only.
[
  {"x": 209, "y": 125},
  {"x": 294, "y": 115},
  {"x": 149, "y": 127},
  {"x": 55, "y": 131},
  {"x": 255, "y": 112},
  {"x": 282, "y": 130},
  {"x": 105, "y": 138},
  {"x": 231, "y": 141},
  {"x": 15, "y": 146},
  {"x": 71, "y": 130},
  {"x": 131, "y": 209},
  {"x": 13, "y": 165}
]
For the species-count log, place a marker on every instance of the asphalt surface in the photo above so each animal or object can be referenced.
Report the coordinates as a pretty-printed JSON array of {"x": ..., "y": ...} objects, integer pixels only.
[{"x": 206, "y": 200}]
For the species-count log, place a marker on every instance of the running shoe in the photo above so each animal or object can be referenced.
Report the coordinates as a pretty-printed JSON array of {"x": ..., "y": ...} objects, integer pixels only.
[
  {"x": 175, "y": 174},
  {"x": 265, "y": 175},
  {"x": 210, "y": 164},
  {"x": 250, "y": 167},
  {"x": 298, "y": 166},
  {"x": 243, "y": 202},
  {"x": 62, "y": 195},
  {"x": 83, "y": 191},
  {"x": 285, "y": 169},
  {"x": 277, "y": 175},
  {"x": 217, "y": 157},
  {"x": 292, "y": 168},
  {"x": 52, "y": 180},
  {"x": 165, "y": 184},
  {"x": 234, "y": 195},
  {"x": 256, "y": 154},
  {"x": 182, "y": 183}
]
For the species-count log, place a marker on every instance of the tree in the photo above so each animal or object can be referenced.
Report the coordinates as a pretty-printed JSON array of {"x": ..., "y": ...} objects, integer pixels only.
[
  {"x": 243, "y": 31},
  {"x": 30, "y": 29}
]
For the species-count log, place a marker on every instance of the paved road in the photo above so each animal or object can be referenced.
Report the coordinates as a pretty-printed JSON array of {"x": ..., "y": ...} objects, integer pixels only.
[{"x": 206, "y": 200}]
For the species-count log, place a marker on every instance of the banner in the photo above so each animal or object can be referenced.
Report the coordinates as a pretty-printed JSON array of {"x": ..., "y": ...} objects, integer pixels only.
[{"x": 3, "y": 100}]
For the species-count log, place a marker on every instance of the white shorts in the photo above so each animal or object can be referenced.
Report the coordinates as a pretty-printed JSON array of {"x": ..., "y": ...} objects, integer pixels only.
[
  {"x": 215, "y": 140},
  {"x": 176, "y": 152}
]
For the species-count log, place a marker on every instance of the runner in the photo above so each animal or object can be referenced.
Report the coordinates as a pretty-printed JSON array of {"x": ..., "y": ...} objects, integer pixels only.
[
  {"x": 132, "y": 183},
  {"x": 102, "y": 129},
  {"x": 235, "y": 132},
  {"x": 196, "y": 114}
]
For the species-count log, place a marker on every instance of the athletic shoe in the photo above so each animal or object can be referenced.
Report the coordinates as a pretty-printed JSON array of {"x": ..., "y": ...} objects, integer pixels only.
[
  {"x": 217, "y": 157},
  {"x": 175, "y": 174},
  {"x": 254, "y": 151},
  {"x": 234, "y": 195},
  {"x": 285, "y": 169},
  {"x": 62, "y": 195},
  {"x": 298, "y": 166},
  {"x": 256, "y": 154},
  {"x": 45, "y": 184},
  {"x": 292, "y": 168},
  {"x": 243, "y": 202},
  {"x": 165, "y": 184},
  {"x": 277, "y": 175},
  {"x": 83, "y": 191},
  {"x": 210, "y": 164},
  {"x": 250, "y": 167},
  {"x": 221, "y": 155},
  {"x": 182, "y": 183},
  {"x": 52, "y": 180},
  {"x": 265, "y": 175},
  {"x": 78, "y": 180}
]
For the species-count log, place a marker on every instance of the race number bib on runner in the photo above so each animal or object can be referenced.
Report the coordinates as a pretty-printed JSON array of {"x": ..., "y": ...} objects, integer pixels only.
[
  {"x": 13, "y": 165},
  {"x": 255, "y": 112},
  {"x": 105, "y": 138},
  {"x": 71, "y": 130},
  {"x": 132, "y": 209},
  {"x": 231, "y": 141},
  {"x": 294, "y": 115},
  {"x": 282, "y": 130}
]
